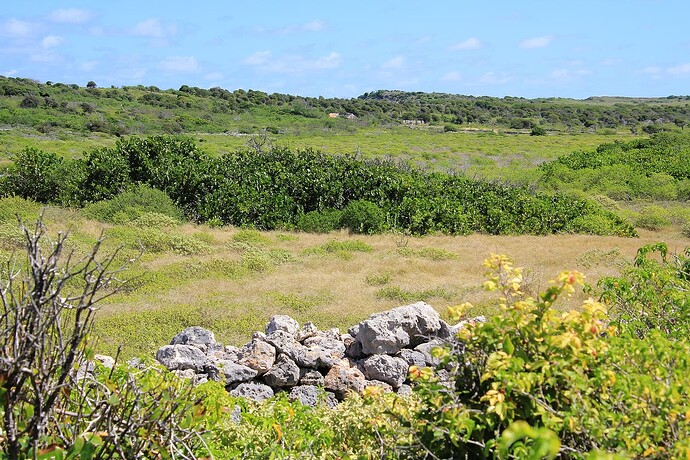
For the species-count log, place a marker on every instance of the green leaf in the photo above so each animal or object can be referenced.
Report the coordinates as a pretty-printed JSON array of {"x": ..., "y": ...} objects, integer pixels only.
[{"x": 508, "y": 345}]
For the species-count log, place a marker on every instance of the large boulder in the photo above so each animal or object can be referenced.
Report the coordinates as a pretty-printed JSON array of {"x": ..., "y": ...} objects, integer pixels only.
[
  {"x": 386, "y": 368},
  {"x": 181, "y": 357},
  {"x": 390, "y": 331}
]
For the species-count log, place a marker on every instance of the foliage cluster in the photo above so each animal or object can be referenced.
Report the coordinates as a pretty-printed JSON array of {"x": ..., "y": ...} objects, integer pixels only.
[
  {"x": 148, "y": 109},
  {"x": 307, "y": 189},
  {"x": 533, "y": 382},
  {"x": 656, "y": 168}
]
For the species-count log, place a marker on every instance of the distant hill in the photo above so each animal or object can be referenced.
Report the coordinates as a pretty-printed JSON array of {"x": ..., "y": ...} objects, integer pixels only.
[{"x": 150, "y": 110}]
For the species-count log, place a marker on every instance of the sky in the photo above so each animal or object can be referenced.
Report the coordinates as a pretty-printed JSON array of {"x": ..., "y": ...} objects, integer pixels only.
[{"x": 344, "y": 48}]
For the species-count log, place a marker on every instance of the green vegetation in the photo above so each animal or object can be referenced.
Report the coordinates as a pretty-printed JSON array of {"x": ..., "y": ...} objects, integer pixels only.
[{"x": 280, "y": 188}]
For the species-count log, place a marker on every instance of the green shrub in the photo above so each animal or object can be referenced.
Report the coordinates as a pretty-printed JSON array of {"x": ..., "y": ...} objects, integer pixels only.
[
  {"x": 363, "y": 216},
  {"x": 320, "y": 221},
  {"x": 653, "y": 218},
  {"x": 34, "y": 174},
  {"x": 128, "y": 206},
  {"x": 11, "y": 207},
  {"x": 154, "y": 220}
]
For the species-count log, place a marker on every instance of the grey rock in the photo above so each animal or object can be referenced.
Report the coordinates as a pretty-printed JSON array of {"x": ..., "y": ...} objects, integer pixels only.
[
  {"x": 390, "y": 331},
  {"x": 354, "y": 330},
  {"x": 282, "y": 323},
  {"x": 413, "y": 357},
  {"x": 253, "y": 390},
  {"x": 404, "y": 390},
  {"x": 308, "y": 395},
  {"x": 283, "y": 341},
  {"x": 333, "y": 333},
  {"x": 307, "y": 330},
  {"x": 185, "y": 374},
  {"x": 284, "y": 373},
  {"x": 386, "y": 368},
  {"x": 196, "y": 336},
  {"x": 425, "y": 348},
  {"x": 344, "y": 377},
  {"x": 378, "y": 383},
  {"x": 181, "y": 357},
  {"x": 258, "y": 355},
  {"x": 233, "y": 372},
  {"x": 353, "y": 349},
  {"x": 311, "y": 377},
  {"x": 236, "y": 415},
  {"x": 105, "y": 360}
]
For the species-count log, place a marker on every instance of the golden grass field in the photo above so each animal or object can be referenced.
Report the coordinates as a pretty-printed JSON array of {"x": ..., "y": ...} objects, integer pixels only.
[{"x": 313, "y": 279}]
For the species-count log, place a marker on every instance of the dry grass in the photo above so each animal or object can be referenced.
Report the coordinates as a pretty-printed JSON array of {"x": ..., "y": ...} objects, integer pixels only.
[{"x": 336, "y": 288}]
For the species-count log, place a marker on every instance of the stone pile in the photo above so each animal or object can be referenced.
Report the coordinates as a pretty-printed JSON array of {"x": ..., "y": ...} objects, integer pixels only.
[{"x": 304, "y": 360}]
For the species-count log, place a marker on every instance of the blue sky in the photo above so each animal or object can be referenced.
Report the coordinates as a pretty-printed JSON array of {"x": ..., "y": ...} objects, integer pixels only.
[{"x": 534, "y": 48}]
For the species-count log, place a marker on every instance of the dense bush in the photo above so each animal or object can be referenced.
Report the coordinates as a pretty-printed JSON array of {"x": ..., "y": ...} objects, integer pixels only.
[
  {"x": 656, "y": 168},
  {"x": 534, "y": 382},
  {"x": 132, "y": 205},
  {"x": 275, "y": 188}
]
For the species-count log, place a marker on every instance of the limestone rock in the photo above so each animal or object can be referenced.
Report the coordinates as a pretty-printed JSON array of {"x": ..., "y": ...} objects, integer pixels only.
[
  {"x": 307, "y": 330},
  {"x": 284, "y": 373},
  {"x": 308, "y": 395},
  {"x": 253, "y": 390},
  {"x": 258, "y": 355},
  {"x": 233, "y": 372},
  {"x": 344, "y": 377},
  {"x": 413, "y": 357},
  {"x": 390, "y": 331},
  {"x": 181, "y": 357},
  {"x": 386, "y": 368},
  {"x": 196, "y": 336},
  {"x": 311, "y": 377},
  {"x": 282, "y": 323}
]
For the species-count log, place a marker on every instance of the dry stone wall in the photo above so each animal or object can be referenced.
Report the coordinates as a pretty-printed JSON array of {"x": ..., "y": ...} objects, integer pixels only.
[{"x": 304, "y": 360}]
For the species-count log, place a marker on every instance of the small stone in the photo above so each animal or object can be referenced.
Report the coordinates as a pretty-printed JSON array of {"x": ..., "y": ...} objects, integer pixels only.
[{"x": 284, "y": 373}]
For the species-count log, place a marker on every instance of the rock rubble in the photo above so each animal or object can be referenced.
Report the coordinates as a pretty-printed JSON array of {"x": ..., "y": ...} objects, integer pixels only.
[{"x": 305, "y": 361}]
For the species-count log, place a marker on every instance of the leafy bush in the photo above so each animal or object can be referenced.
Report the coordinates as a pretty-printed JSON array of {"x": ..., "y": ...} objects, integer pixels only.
[
  {"x": 34, "y": 174},
  {"x": 535, "y": 380},
  {"x": 132, "y": 204},
  {"x": 653, "y": 218},
  {"x": 320, "y": 221},
  {"x": 361, "y": 216}
]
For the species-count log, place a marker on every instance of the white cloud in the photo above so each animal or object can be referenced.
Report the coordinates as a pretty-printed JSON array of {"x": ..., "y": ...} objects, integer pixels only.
[
  {"x": 51, "y": 41},
  {"x": 258, "y": 58},
  {"x": 265, "y": 61},
  {"x": 650, "y": 70},
  {"x": 10, "y": 73},
  {"x": 565, "y": 74},
  {"x": 682, "y": 69},
  {"x": 71, "y": 16},
  {"x": 214, "y": 76},
  {"x": 397, "y": 62},
  {"x": 179, "y": 64},
  {"x": 493, "y": 78},
  {"x": 469, "y": 44},
  {"x": 16, "y": 28},
  {"x": 452, "y": 76},
  {"x": 314, "y": 26},
  {"x": 537, "y": 42},
  {"x": 152, "y": 28}
]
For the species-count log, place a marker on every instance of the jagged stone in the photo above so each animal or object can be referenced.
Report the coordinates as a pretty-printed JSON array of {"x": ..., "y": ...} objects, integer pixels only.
[
  {"x": 386, "y": 368},
  {"x": 413, "y": 357},
  {"x": 233, "y": 372},
  {"x": 198, "y": 337},
  {"x": 283, "y": 341},
  {"x": 425, "y": 349},
  {"x": 343, "y": 377},
  {"x": 284, "y": 373},
  {"x": 353, "y": 349},
  {"x": 311, "y": 377},
  {"x": 378, "y": 383},
  {"x": 253, "y": 390},
  {"x": 308, "y": 395},
  {"x": 185, "y": 374},
  {"x": 181, "y": 357},
  {"x": 390, "y": 331},
  {"x": 258, "y": 355},
  {"x": 282, "y": 323},
  {"x": 307, "y": 330}
]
